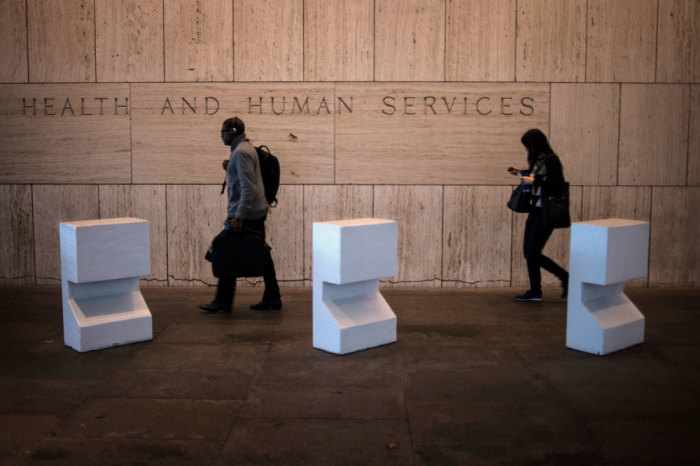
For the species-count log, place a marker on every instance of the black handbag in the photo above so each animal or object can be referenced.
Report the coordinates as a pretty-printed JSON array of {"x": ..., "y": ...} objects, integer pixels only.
[
  {"x": 520, "y": 199},
  {"x": 555, "y": 209},
  {"x": 237, "y": 254}
]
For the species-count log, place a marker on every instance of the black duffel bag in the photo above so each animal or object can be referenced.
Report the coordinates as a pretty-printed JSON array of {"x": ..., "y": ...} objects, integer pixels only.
[{"x": 237, "y": 254}]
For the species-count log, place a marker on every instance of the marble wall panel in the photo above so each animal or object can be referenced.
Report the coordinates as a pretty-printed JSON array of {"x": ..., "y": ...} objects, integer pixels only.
[
  {"x": 61, "y": 40},
  {"x": 198, "y": 40},
  {"x": 557, "y": 247},
  {"x": 177, "y": 139},
  {"x": 65, "y": 133},
  {"x": 146, "y": 202},
  {"x": 654, "y": 134},
  {"x": 424, "y": 133},
  {"x": 585, "y": 122},
  {"x": 13, "y": 42},
  {"x": 409, "y": 40},
  {"x": 694, "y": 143},
  {"x": 195, "y": 215},
  {"x": 679, "y": 41},
  {"x": 674, "y": 254},
  {"x": 629, "y": 202},
  {"x": 480, "y": 40},
  {"x": 338, "y": 40},
  {"x": 418, "y": 211},
  {"x": 476, "y": 236},
  {"x": 551, "y": 41},
  {"x": 284, "y": 230},
  {"x": 621, "y": 41},
  {"x": 324, "y": 203},
  {"x": 384, "y": 133},
  {"x": 53, "y": 204},
  {"x": 16, "y": 235},
  {"x": 129, "y": 40},
  {"x": 268, "y": 40}
]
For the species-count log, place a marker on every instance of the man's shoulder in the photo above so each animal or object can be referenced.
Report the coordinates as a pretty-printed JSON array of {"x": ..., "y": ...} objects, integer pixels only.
[{"x": 246, "y": 147}]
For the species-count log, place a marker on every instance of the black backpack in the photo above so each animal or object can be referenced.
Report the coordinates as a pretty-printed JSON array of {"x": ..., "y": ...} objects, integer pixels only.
[{"x": 270, "y": 170}]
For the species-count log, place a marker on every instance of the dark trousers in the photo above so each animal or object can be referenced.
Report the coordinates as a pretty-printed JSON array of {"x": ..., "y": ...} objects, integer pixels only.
[
  {"x": 227, "y": 285},
  {"x": 536, "y": 236}
]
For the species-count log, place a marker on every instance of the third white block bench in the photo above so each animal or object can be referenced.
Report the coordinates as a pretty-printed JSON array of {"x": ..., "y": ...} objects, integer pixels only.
[{"x": 604, "y": 254}]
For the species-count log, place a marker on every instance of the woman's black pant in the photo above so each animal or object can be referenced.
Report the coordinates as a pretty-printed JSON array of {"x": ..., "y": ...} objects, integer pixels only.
[
  {"x": 227, "y": 285},
  {"x": 536, "y": 236}
]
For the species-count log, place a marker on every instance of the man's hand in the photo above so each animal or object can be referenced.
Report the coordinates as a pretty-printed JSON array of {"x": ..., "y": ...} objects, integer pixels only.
[
  {"x": 225, "y": 164},
  {"x": 236, "y": 225}
]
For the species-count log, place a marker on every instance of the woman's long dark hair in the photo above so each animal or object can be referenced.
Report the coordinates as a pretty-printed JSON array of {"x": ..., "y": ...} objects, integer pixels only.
[{"x": 536, "y": 144}]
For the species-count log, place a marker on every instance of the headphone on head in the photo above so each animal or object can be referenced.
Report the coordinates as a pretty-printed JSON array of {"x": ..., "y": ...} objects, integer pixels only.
[{"x": 236, "y": 124}]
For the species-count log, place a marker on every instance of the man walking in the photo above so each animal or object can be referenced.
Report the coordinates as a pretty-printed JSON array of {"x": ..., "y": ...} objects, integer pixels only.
[{"x": 247, "y": 208}]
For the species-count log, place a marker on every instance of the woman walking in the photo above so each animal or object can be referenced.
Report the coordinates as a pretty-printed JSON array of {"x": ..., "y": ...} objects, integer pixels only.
[{"x": 545, "y": 174}]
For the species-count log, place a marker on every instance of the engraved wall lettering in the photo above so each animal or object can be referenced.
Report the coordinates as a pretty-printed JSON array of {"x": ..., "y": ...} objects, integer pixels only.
[
  {"x": 209, "y": 108},
  {"x": 48, "y": 107},
  {"x": 389, "y": 102},
  {"x": 281, "y": 105},
  {"x": 478, "y": 108},
  {"x": 526, "y": 102},
  {"x": 25, "y": 106},
  {"x": 484, "y": 105},
  {"x": 301, "y": 107},
  {"x": 167, "y": 106},
  {"x": 272, "y": 104},
  {"x": 124, "y": 106},
  {"x": 344, "y": 104},
  {"x": 68, "y": 106}
]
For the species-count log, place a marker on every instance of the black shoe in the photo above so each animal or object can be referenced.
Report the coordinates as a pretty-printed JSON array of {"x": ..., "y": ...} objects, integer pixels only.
[
  {"x": 529, "y": 296},
  {"x": 265, "y": 305},
  {"x": 565, "y": 288},
  {"x": 215, "y": 307}
]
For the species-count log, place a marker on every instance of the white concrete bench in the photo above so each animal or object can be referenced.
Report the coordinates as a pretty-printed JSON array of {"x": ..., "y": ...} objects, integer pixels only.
[
  {"x": 349, "y": 257},
  {"x": 101, "y": 261},
  {"x": 604, "y": 254}
]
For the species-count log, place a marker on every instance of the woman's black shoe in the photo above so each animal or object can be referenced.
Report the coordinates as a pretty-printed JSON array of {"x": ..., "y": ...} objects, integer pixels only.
[
  {"x": 215, "y": 307},
  {"x": 529, "y": 296}
]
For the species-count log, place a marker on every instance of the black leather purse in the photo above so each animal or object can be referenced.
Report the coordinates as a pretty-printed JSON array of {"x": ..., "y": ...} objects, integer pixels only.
[
  {"x": 520, "y": 199},
  {"x": 237, "y": 254},
  {"x": 555, "y": 209}
]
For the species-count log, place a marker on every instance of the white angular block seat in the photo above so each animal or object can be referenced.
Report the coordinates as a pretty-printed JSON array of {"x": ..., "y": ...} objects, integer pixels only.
[
  {"x": 603, "y": 255},
  {"x": 349, "y": 257},
  {"x": 101, "y": 261}
]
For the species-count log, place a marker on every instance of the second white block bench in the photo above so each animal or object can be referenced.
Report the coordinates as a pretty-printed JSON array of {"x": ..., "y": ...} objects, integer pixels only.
[{"x": 349, "y": 257}]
